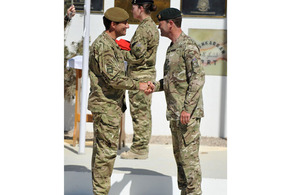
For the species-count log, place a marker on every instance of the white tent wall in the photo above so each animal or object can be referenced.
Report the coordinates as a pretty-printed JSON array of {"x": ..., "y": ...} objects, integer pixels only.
[{"x": 214, "y": 91}]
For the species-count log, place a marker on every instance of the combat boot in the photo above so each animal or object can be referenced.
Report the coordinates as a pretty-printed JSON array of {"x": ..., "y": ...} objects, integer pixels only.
[{"x": 131, "y": 155}]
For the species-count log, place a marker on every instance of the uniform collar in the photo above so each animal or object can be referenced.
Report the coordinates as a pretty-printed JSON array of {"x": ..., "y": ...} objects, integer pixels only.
[
  {"x": 178, "y": 40},
  {"x": 111, "y": 40},
  {"x": 146, "y": 20}
]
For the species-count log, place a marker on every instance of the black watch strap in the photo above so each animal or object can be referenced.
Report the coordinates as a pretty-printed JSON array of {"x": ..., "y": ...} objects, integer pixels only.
[{"x": 67, "y": 18}]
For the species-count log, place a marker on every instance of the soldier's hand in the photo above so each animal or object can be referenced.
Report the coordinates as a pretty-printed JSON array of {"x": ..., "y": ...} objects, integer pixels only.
[
  {"x": 150, "y": 88},
  {"x": 143, "y": 86},
  {"x": 185, "y": 117},
  {"x": 71, "y": 11}
]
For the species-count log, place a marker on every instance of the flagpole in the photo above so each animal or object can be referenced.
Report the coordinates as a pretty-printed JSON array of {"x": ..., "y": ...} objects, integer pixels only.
[{"x": 83, "y": 106}]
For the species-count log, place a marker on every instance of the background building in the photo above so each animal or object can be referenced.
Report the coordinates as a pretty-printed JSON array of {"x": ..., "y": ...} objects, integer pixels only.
[{"x": 214, "y": 91}]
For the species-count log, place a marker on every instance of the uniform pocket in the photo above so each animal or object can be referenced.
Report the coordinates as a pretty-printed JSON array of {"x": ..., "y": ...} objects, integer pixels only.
[
  {"x": 113, "y": 121},
  {"x": 190, "y": 132}
]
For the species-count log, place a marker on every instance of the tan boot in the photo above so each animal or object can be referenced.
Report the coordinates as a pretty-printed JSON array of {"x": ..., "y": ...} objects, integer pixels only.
[{"x": 130, "y": 155}]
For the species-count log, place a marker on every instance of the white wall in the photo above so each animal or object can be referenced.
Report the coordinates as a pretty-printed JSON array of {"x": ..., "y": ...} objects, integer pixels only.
[{"x": 214, "y": 91}]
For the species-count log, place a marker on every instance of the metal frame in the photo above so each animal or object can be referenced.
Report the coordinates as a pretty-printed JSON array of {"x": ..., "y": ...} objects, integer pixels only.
[{"x": 92, "y": 11}]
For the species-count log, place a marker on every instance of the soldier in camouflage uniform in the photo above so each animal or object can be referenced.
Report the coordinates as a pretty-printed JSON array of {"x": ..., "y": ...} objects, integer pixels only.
[
  {"x": 182, "y": 83},
  {"x": 141, "y": 66},
  {"x": 106, "y": 99}
]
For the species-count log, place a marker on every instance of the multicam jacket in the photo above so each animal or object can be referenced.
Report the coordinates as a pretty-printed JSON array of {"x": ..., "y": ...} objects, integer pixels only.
[
  {"x": 142, "y": 57},
  {"x": 107, "y": 76},
  {"x": 183, "y": 79}
]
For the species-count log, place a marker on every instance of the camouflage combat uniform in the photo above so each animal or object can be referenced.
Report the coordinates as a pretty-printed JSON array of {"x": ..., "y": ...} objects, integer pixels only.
[
  {"x": 141, "y": 66},
  {"x": 182, "y": 83},
  {"x": 106, "y": 102}
]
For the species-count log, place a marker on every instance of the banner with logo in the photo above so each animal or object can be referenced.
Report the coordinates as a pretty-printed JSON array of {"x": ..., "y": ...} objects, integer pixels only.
[
  {"x": 213, "y": 49},
  {"x": 204, "y": 8}
]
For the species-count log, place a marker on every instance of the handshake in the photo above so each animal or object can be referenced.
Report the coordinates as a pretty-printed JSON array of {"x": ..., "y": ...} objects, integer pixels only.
[{"x": 148, "y": 87}]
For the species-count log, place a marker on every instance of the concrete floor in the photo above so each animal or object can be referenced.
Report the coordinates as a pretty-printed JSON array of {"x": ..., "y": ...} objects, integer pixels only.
[{"x": 153, "y": 176}]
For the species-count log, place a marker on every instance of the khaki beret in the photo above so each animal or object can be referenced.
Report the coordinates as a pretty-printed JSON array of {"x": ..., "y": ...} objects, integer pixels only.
[
  {"x": 116, "y": 14},
  {"x": 168, "y": 13}
]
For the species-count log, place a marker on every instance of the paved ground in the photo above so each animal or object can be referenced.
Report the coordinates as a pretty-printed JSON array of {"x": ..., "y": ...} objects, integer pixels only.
[{"x": 153, "y": 176}]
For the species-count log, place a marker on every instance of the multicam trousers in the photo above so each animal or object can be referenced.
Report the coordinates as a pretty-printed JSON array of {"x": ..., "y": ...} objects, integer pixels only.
[
  {"x": 140, "y": 110},
  {"x": 106, "y": 135},
  {"x": 186, "y": 143}
]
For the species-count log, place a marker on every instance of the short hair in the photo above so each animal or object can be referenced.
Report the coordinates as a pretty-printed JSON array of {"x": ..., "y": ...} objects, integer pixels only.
[
  {"x": 106, "y": 23},
  {"x": 177, "y": 21}
]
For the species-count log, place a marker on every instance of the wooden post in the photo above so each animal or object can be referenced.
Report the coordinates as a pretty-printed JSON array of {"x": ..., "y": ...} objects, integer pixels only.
[
  {"x": 77, "y": 109},
  {"x": 122, "y": 132}
]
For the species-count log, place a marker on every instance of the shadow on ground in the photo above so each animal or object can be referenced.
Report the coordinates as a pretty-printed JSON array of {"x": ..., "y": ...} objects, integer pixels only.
[{"x": 78, "y": 181}]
